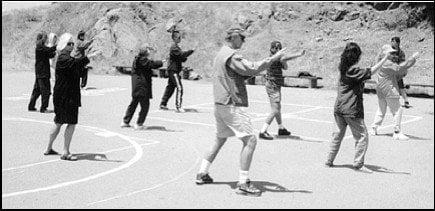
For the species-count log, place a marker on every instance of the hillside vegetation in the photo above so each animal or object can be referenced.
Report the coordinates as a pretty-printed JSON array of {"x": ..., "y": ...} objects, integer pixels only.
[{"x": 321, "y": 28}]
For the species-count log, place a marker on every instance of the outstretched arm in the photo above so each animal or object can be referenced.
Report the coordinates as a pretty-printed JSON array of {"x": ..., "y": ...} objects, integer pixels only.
[
  {"x": 386, "y": 53},
  {"x": 292, "y": 56},
  {"x": 248, "y": 68}
]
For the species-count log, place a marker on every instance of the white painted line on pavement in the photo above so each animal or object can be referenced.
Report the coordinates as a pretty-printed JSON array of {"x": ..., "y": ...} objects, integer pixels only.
[
  {"x": 136, "y": 157},
  {"x": 392, "y": 125},
  {"x": 56, "y": 160},
  {"x": 154, "y": 186}
]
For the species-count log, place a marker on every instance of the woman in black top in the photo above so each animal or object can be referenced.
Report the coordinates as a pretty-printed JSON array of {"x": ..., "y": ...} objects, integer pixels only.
[
  {"x": 66, "y": 97},
  {"x": 348, "y": 108}
]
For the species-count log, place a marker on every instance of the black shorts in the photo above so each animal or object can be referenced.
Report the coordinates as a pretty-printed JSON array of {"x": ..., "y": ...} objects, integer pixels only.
[
  {"x": 66, "y": 114},
  {"x": 273, "y": 89},
  {"x": 400, "y": 83}
]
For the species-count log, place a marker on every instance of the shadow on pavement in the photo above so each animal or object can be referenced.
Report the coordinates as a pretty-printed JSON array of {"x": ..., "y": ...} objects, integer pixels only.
[
  {"x": 371, "y": 169},
  {"x": 411, "y": 137},
  {"x": 187, "y": 110},
  {"x": 264, "y": 186},
  {"x": 161, "y": 128},
  {"x": 94, "y": 157},
  {"x": 297, "y": 138}
]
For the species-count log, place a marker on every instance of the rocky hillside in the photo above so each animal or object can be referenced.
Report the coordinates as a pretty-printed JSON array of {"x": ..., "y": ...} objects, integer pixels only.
[{"x": 321, "y": 28}]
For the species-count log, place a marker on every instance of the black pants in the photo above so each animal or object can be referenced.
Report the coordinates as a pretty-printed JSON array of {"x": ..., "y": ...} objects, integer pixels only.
[
  {"x": 174, "y": 81},
  {"x": 84, "y": 77},
  {"x": 145, "y": 107},
  {"x": 41, "y": 87}
]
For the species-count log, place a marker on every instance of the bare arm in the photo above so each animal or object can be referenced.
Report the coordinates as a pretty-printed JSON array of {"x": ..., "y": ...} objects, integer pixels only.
[
  {"x": 292, "y": 56},
  {"x": 248, "y": 68},
  {"x": 386, "y": 53},
  {"x": 402, "y": 68}
]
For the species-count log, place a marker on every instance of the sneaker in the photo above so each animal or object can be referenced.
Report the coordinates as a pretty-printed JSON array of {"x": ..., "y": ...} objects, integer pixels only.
[
  {"x": 46, "y": 111},
  {"x": 163, "y": 107},
  {"x": 265, "y": 135},
  {"x": 123, "y": 124},
  {"x": 357, "y": 166},
  {"x": 407, "y": 105},
  {"x": 180, "y": 110},
  {"x": 329, "y": 164},
  {"x": 362, "y": 168},
  {"x": 374, "y": 131},
  {"x": 203, "y": 178},
  {"x": 283, "y": 132},
  {"x": 138, "y": 127},
  {"x": 400, "y": 137},
  {"x": 31, "y": 109},
  {"x": 247, "y": 189}
]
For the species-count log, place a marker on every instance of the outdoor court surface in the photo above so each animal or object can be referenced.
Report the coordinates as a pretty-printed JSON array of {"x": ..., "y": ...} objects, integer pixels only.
[{"x": 156, "y": 167}]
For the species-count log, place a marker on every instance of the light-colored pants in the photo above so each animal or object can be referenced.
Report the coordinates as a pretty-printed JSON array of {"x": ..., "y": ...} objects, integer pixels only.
[
  {"x": 232, "y": 121},
  {"x": 359, "y": 132},
  {"x": 395, "y": 108}
]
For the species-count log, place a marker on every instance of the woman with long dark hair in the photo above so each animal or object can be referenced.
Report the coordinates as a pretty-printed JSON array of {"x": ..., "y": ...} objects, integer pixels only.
[{"x": 348, "y": 108}]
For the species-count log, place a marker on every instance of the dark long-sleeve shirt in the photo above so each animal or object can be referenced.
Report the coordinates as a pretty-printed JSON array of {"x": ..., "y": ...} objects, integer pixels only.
[
  {"x": 42, "y": 59},
  {"x": 349, "y": 101},
  {"x": 176, "y": 58},
  {"x": 141, "y": 77},
  {"x": 67, "y": 86}
]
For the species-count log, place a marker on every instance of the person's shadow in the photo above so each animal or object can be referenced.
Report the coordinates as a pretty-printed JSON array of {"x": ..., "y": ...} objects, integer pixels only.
[
  {"x": 161, "y": 128},
  {"x": 187, "y": 110},
  {"x": 94, "y": 157},
  {"x": 264, "y": 186},
  {"x": 372, "y": 168},
  {"x": 411, "y": 137},
  {"x": 297, "y": 138}
]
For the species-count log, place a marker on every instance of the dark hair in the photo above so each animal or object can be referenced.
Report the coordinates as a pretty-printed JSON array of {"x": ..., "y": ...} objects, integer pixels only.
[
  {"x": 396, "y": 39},
  {"x": 349, "y": 57},
  {"x": 81, "y": 33},
  {"x": 174, "y": 33},
  {"x": 275, "y": 44},
  {"x": 41, "y": 35}
]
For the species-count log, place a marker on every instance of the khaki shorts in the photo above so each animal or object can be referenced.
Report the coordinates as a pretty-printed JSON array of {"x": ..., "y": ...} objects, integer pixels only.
[
  {"x": 232, "y": 121},
  {"x": 273, "y": 89}
]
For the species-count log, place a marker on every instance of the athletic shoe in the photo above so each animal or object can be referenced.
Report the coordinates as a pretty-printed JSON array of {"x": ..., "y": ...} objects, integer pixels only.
[
  {"x": 283, "y": 132},
  {"x": 123, "y": 124},
  {"x": 162, "y": 107},
  {"x": 31, "y": 109},
  {"x": 203, "y": 178},
  {"x": 374, "y": 131},
  {"x": 247, "y": 189},
  {"x": 180, "y": 110},
  {"x": 400, "y": 137},
  {"x": 357, "y": 166},
  {"x": 265, "y": 135},
  {"x": 329, "y": 164},
  {"x": 407, "y": 105},
  {"x": 138, "y": 127}
]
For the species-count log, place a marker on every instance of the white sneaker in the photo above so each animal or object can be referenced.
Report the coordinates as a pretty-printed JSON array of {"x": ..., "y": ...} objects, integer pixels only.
[
  {"x": 181, "y": 110},
  {"x": 138, "y": 127},
  {"x": 374, "y": 131},
  {"x": 123, "y": 124},
  {"x": 400, "y": 137}
]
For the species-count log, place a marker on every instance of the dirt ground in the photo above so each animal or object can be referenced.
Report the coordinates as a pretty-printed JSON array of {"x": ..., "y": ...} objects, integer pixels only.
[{"x": 156, "y": 167}]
